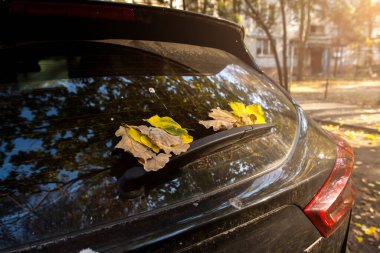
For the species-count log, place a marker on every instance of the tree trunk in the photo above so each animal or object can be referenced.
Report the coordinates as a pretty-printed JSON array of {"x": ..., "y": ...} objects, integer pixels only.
[
  {"x": 205, "y": 3},
  {"x": 184, "y": 5},
  {"x": 300, "y": 52},
  {"x": 254, "y": 14},
  {"x": 303, "y": 36},
  {"x": 336, "y": 49},
  {"x": 284, "y": 46}
]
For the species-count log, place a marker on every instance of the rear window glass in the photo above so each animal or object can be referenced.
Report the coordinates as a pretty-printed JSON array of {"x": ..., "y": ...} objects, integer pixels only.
[{"x": 61, "y": 104}]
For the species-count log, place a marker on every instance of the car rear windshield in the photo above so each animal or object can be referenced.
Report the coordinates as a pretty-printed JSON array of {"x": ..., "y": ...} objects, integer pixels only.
[{"x": 61, "y": 103}]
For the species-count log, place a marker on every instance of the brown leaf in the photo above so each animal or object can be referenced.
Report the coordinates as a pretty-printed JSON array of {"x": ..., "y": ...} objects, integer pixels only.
[
  {"x": 157, "y": 162},
  {"x": 129, "y": 145},
  {"x": 165, "y": 141},
  {"x": 219, "y": 114},
  {"x": 217, "y": 124}
]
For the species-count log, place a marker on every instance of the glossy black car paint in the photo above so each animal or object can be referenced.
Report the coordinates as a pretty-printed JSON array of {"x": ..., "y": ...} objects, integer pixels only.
[{"x": 235, "y": 218}]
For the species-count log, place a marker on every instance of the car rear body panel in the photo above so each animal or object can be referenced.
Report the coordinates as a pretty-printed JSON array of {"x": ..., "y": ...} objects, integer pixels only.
[{"x": 260, "y": 211}]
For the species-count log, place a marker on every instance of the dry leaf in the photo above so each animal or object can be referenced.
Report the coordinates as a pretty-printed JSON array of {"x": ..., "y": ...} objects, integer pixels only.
[
  {"x": 141, "y": 140},
  {"x": 157, "y": 162},
  {"x": 171, "y": 127},
  {"x": 219, "y": 114},
  {"x": 129, "y": 145},
  {"x": 167, "y": 142},
  {"x": 239, "y": 116},
  {"x": 217, "y": 124}
]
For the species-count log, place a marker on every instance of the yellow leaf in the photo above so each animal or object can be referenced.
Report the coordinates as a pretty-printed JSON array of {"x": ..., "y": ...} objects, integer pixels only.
[
  {"x": 129, "y": 145},
  {"x": 147, "y": 142},
  {"x": 256, "y": 110},
  {"x": 359, "y": 238},
  {"x": 170, "y": 126},
  {"x": 140, "y": 138},
  {"x": 238, "y": 108},
  {"x": 165, "y": 141},
  {"x": 240, "y": 116},
  {"x": 370, "y": 137},
  {"x": 369, "y": 231}
]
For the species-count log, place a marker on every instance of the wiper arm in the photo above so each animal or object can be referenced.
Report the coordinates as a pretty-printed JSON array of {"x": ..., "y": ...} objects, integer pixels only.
[
  {"x": 220, "y": 140},
  {"x": 134, "y": 178}
]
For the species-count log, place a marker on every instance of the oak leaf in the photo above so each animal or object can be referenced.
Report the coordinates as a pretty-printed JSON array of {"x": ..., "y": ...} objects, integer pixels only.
[
  {"x": 140, "y": 141},
  {"x": 217, "y": 124},
  {"x": 219, "y": 114},
  {"x": 239, "y": 116},
  {"x": 129, "y": 145},
  {"x": 167, "y": 142},
  {"x": 157, "y": 162}
]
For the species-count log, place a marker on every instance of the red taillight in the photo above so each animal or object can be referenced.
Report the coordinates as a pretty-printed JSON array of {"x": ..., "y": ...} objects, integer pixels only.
[{"x": 335, "y": 199}]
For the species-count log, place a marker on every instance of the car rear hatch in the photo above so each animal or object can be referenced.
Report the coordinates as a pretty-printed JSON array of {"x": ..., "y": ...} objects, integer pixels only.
[{"x": 64, "y": 185}]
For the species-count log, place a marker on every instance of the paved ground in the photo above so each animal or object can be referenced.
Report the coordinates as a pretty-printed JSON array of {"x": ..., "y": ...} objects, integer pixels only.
[
  {"x": 362, "y": 93},
  {"x": 360, "y": 125}
]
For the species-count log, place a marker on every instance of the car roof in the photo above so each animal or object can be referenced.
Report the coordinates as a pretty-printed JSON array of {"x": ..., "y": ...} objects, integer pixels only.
[{"x": 25, "y": 20}]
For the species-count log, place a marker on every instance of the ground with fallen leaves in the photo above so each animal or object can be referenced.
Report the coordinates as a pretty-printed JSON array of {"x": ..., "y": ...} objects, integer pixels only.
[
  {"x": 364, "y": 93},
  {"x": 364, "y": 233},
  {"x": 352, "y": 110}
]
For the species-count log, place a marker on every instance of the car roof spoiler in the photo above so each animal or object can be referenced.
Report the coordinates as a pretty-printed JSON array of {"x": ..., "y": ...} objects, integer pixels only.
[{"x": 39, "y": 20}]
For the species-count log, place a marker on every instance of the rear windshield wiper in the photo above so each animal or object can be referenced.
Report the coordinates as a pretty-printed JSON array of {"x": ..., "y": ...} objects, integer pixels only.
[
  {"x": 135, "y": 177},
  {"x": 219, "y": 140}
]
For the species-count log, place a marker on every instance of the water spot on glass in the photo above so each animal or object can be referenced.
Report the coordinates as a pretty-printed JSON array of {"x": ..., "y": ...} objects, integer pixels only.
[{"x": 236, "y": 203}]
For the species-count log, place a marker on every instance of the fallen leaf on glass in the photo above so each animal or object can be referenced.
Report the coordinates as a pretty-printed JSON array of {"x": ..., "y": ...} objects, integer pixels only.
[
  {"x": 240, "y": 115},
  {"x": 217, "y": 124},
  {"x": 157, "y": 162},
  {"x": 129, "y": 145},
  {"x": 167, "y": 142},
  {"x": 256, "y": 110},
  {"x": 171, "y": 127},
  {"x": 219, "y": 114},
  {"x": 140, "y": 141},
  {"x": 142, "y": 138}
]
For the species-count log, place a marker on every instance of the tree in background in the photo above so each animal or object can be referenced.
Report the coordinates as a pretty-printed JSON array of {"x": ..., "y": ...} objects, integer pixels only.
[
  {"x": 302, "y": 10},
  {"x": 265, "y": 19},
  {"x": 367, "y": 13},
  {"x": 284, "y": 44}
]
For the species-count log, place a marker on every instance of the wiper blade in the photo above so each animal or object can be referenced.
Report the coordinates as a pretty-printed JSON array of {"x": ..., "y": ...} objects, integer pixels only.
[
  {"x": 131, "y": 183},
  {"x": 220, "y": 140}
]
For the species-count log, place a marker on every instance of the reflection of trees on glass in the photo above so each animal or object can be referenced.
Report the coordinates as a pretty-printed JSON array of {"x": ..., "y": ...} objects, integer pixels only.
[{"x": 57, "y": 138}]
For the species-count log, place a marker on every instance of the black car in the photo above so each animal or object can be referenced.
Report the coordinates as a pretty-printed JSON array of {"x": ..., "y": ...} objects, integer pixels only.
[{"x": 263, "y": 177}]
